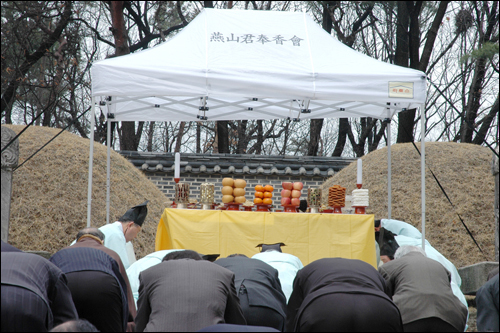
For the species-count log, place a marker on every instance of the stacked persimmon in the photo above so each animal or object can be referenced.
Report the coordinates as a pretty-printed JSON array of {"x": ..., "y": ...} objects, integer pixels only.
[{"x": 263, "y": 195}]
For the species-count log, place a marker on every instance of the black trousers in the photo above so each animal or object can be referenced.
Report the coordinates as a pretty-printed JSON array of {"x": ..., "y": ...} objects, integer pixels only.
[
  {"x": 432, "y": 324},
  {"x": 350, "y": 313},
  {"x": 260, "y": 315},
  {"x": 98, "y": 299},
  {"x": 23, "y": 311}
]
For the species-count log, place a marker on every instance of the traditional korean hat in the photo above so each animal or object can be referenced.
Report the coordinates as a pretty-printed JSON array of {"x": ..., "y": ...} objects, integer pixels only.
[
  {"x": 268, "y": 247},
  {"x": 210, "y": 257},
  {"x": 137, "y": 214}
]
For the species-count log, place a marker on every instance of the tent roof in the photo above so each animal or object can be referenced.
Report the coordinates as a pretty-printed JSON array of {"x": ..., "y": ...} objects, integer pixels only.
[{"x": 246, "y": 64}]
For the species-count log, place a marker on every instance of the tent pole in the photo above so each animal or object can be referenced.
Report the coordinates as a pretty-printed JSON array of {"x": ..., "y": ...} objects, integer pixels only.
[
  {"x": 91, "y": 161},
  {"x": 389, "y": 171},
  {"x": 108, "y": 179},
  {"x": 422, "y": 169}
]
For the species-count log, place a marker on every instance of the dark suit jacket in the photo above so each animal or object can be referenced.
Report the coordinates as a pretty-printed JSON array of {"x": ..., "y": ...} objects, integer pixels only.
[
  {"x": 77, "y": 259},
  {"x": 420, "y": 287},
  {"x": 260, "y": 280},
  {"x": 30, "y": 273},
  {"x": 332, "y": 275},
  {"x": 487, "y": 306},
  {"x": 92, "y": 243},
  {"x": 186, "y": 295}
]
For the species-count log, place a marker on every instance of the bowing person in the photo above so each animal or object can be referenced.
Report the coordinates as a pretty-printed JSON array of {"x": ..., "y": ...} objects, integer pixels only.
[
  {"x": 421, "y": 289},
  {"x": 96, "y": 284},
  {"x": 118, "y": 235},
  {"x": 142, "y": 264},
  {"x": 35, "y": 296},
  {"x": 259, "y": 290},
  {"x": 186, "y": 293},
  {"x": 286, "y": 264},
  {"x": 341, "y": 295},
  {"x": 487, "y": 306},
  {"x": 94, "y": 238}
]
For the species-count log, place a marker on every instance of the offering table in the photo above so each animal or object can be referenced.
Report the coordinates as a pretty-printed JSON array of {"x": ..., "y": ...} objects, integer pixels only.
[{"x": 307, "y": 236}]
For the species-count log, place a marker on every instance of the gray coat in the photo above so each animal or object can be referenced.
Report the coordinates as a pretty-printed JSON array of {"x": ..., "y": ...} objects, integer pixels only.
[
  {"x": 186, "y": 295},
  {"x": 420, "y": 287}
]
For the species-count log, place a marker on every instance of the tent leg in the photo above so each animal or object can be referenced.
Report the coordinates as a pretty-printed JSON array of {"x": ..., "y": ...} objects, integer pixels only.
[
  {"x": 108, "y": 178},
  {"x": 389, "y": 172},
  {"x": 422, "y": 169},
  {"x": 91, "y": 161}
]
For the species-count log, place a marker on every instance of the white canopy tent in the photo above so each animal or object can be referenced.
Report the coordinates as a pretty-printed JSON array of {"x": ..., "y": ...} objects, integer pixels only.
[{"x": 244, "y": 64}]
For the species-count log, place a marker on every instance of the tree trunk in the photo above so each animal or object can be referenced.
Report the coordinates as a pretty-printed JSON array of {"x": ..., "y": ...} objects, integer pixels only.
[
  {"x": 150, "y": 135},
  {"x": 401, "y": 59},
  {"x": 129, "y": 139},
  {"x": 315, "y": 133},
  {"x": 242, "y": 137},
  {"x": 179, "y": 136},
  {"x": 222, "y": 137},
  {"x": 485, "y": 126},
  {"x": 198, "y": 137},
  {"x": 317, "y": 124},
  {"x": 343, "y": 130},
  {"x": 408, "y": 47}
]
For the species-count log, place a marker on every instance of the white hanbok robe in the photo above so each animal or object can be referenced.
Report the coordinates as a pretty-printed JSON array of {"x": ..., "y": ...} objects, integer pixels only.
[
  {"x": 115, "y": 240},
  {"x": 287, "y": 266},
  {"x": 142, "y": 264}
]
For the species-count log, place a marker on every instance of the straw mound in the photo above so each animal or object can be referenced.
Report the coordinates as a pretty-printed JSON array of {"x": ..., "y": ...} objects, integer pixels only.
[
  {"x": 464, "y": 171},
  {"x": 49, "y": 192}
]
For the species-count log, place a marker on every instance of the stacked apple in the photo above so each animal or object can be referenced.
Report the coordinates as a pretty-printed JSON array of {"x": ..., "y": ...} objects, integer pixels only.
[
  {"x": 290, "y": 194},
  {"x": 233, "y": 190},
  {"x": 263, "y": 195}
]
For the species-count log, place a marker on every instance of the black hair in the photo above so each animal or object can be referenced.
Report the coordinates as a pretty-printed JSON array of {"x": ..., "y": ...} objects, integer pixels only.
[
  {"x": 377, "y": 223},
  {"x": 90, "y": 231},
  {"x": 303, "y": 205},
  {"x": 236, "y": 255},
  {"x": 186, "y": 254},
  {"x": 79, "y": 325}
]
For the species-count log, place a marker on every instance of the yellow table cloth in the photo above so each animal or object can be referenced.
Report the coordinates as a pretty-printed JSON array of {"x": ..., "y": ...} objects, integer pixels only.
[{"x": 307, "y": 236}]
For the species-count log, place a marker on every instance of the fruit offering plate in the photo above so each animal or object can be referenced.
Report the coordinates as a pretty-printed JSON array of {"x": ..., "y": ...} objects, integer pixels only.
[
  {"x": 233, "y": 206},
  {"x": 290, "y": 208},
  {"x": 263, "y": 208}
]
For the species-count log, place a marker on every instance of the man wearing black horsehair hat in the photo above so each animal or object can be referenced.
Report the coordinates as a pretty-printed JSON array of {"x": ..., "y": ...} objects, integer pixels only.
[{"x": 118, "y": 235}]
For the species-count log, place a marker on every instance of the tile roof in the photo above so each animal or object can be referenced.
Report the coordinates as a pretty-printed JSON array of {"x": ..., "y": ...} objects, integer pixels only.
[{"x": 239, "y": 164}]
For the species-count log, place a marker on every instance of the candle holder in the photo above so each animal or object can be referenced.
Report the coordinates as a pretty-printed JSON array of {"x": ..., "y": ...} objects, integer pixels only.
[
  {"x": 359, "y": 186},
  {"x": 207, "y": 195},
  {"x": 182, "y": 195},
  {"x": 337, "y": 210},
  {"x": 314, "y": 196},
  {"x": 174, "y": 204}
]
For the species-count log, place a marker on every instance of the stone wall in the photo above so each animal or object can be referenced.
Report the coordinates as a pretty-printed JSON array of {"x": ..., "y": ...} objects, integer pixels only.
[
  {"x": 166, "y": 184},
  {"x": 196, "y": 169}
]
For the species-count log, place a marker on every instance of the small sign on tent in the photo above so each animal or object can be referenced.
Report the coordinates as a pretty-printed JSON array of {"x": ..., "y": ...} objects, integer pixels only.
[{"x": 401, "y": 89}]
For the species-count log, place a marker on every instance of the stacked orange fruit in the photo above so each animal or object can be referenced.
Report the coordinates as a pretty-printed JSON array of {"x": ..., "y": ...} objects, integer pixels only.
[{"x": 263, "y": 195}]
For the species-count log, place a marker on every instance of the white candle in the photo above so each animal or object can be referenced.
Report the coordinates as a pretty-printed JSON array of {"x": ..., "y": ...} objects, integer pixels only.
[
  {"x": 177, "y": 173},
  {"x": 360, "y": 171}
]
